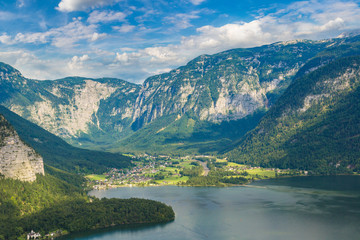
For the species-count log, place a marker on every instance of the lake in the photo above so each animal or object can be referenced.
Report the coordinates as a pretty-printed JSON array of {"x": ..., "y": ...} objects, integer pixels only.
[{"x": 287, "y": 208}]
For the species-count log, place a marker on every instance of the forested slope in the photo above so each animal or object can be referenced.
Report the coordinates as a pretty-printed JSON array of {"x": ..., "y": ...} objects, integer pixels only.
[
  {"x": 57, "y": 153},
  {"x": 314, "y": 126}
]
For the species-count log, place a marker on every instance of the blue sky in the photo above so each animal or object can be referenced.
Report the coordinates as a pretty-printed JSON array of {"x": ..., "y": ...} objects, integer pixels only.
[{"x": 133, "y": 40}]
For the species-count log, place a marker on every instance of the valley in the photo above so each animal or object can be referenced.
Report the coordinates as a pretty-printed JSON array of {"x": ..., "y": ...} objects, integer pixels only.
[
  {"x": 225, "y": 120},
  {"x": 189, "y": 120}
]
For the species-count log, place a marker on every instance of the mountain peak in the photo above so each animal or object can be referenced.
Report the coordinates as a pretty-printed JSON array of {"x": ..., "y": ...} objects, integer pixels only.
[
  {"x": 352, "y": 33},
  {"x": 8, "y": 69},
  {"x": 7, "y": 73}
]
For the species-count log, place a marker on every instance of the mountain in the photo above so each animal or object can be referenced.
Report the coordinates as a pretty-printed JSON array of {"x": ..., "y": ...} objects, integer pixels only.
[
  {"x": 17, "y": 160},
  {"x": 70, "y": 107},
  {"x": 315, "y": 124},
  {"x": 201, "y": 107},
  {"x": 57, "y": 153}
]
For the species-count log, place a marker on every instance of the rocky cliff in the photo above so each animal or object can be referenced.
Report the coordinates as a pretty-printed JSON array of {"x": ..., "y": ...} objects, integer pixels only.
[{"x": 17, "y": 160}]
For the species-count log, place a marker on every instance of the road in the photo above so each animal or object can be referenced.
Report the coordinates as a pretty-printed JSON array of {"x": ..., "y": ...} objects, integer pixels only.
[{"x": 206, "y": 169}]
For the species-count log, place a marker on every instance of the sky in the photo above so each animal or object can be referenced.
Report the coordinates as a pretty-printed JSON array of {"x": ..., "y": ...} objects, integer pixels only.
[{"x": 135, "y": 39}]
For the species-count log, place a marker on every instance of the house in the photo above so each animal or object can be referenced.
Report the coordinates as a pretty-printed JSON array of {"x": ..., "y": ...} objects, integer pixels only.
[{"x": 33, "y": 235}]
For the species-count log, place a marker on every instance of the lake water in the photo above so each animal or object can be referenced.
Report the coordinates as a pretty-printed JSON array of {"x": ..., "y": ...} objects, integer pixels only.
[{"x": 288, "y": 208}]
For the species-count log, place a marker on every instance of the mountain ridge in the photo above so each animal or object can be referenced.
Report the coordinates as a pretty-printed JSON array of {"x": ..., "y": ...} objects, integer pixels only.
[
  {"x": 314, "y": 125},
  {"x": 223, "y": 87}
]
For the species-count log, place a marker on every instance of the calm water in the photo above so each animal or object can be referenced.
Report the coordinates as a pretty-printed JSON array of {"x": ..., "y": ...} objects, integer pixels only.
[{"x": 290, "y": 208}]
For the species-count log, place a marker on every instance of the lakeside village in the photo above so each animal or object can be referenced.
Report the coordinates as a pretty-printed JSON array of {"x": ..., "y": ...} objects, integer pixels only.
[{"x": 184, "y": 171}]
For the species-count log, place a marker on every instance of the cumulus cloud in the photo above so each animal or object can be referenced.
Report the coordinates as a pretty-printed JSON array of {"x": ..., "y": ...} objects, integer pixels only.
[
  {"x": 106, "y": 16},
  {"x": 78, "y": 62},
  {"x": 6, "y": 39},
  {"x": 230, "y": 35},
  {"x": 31, "y": 66},
  {"x": 308, "y": 29},
  {"x": 82, "y": 5},
  {"x": 161, "y": 54}
]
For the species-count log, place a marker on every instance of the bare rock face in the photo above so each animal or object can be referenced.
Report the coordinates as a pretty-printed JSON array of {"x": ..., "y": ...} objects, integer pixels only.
[{"x": 17, "y": 160}]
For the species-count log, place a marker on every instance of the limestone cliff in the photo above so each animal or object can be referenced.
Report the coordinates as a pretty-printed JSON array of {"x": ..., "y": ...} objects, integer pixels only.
[{"x": 17, "y": 160}]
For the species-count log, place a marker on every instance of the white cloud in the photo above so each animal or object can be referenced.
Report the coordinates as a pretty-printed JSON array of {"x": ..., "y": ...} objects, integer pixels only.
[
  {"x": 96, "y": 36},
  {"x": 182, "y": 20},
  {"x": 106, "y": 16},
  {"x": 124, "y": 57},
  {"x": 161, "y": 54},
  {"x": 82, "y": 5},
  {"x": 6, "y": 16},
  {"x": 308, "y": 29},
  {"x": 78, "y": 62},
  {"x": 197, "y": 2},
  {"x": 124, "y": 28},
  {"x": 20, "y": 3},
  {"x": 63, "y": 37},
  {"x": 160, "y": 71},
  {"x": 31, "y": 66},
  {"x": 229, "y": 35},
  {"x": 6, "y": 39},
  {"x": 306, "y": 19}
]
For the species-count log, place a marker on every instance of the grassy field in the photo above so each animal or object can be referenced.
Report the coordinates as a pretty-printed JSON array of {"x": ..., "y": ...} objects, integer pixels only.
[
  {"x": 172, "y": 180},
  {"x": 186, "y": 164},
  {"x": 220, "y": 160},
  {"x": 95, "y": 177},
  {"x": 172, "y": 169},
  {"x": 263, "y": 173},
  {"x": 232, "y": 164}
]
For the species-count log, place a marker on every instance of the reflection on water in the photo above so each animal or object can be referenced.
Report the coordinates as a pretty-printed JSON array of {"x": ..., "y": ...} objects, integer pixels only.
[{"x": 289, "y": 208}]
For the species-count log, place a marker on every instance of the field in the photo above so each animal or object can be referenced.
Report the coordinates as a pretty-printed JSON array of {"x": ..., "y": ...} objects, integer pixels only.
[
  {"x": 172, "y": 180},
  {"x": 95, "y": 177}
]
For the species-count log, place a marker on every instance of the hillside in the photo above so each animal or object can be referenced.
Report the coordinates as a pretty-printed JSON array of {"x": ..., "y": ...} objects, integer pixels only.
[
  {"x": 57, "y": 153},
  {"x": 51, "y": 205},
  {"x": 17, "y": 160},
  {"x": 55, "y": 202},
  {"x": 315, "y": 125}
]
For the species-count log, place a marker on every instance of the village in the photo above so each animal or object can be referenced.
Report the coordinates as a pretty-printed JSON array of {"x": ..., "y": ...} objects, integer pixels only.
[{"x": 164, "y": 170}]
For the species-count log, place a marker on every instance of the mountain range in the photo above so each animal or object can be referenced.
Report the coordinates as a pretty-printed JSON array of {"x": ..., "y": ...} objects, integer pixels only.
[{"x": 219, "y": 103}]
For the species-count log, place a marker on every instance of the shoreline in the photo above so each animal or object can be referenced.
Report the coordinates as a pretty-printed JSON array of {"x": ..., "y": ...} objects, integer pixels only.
[{"x": 218, "y": 186}]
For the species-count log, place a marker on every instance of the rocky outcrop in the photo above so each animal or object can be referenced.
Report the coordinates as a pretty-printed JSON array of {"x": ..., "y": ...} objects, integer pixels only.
[{"x": 17, "y": 160}]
